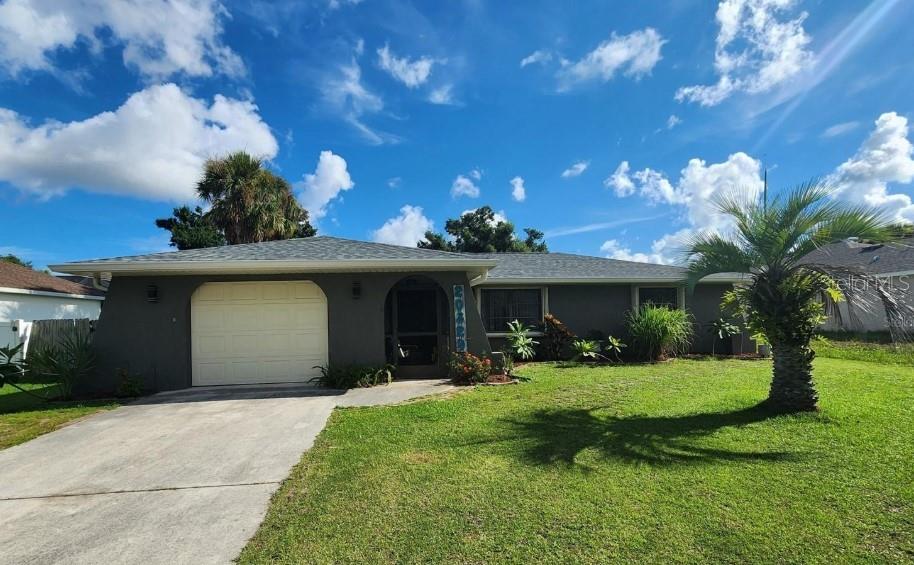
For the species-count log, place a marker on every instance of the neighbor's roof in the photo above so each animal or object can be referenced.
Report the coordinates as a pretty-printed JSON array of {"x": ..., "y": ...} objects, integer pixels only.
[
  {"x": 312, "y": 254},
  {"x": 18, "y": 279},
  {"x": 876, "y": 259}
]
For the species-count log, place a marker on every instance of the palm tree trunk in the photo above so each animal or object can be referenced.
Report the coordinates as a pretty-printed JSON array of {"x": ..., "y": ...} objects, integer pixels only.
[{"x": 792, "y": 389}]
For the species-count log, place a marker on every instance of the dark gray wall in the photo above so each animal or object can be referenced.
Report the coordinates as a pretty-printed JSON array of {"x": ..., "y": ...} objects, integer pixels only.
[
  {"x": 604, "y": 308},
  {"x": 591, "y": 307},
  {"x": 152, "y": 340}
]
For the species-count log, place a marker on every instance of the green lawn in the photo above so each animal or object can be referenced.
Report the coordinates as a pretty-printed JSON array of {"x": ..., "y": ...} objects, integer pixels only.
[
  {"x": 670, "y": 462},
  {"x": 23, "y": 417},
  {"x": 864, "y": 350}
]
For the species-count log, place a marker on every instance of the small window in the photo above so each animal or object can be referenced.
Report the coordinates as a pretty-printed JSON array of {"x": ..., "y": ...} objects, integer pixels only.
[
  {"x": 659, "y": 296},
  {"x": 501, "y": 306}
]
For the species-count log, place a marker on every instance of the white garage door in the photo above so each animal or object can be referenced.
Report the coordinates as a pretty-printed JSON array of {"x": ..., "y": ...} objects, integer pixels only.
[{"x": 258, "y": 332}]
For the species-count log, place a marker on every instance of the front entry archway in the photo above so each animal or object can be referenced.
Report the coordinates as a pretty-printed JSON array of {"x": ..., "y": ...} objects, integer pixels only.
[{"x": 417, "y": 328}]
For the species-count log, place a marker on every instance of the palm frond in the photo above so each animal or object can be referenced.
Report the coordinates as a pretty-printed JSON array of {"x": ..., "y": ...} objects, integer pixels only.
[{"x": 711, "y": 254}]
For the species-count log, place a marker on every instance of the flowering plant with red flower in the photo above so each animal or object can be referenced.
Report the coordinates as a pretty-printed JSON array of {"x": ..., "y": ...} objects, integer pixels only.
[{"x": 466, "y": 368}]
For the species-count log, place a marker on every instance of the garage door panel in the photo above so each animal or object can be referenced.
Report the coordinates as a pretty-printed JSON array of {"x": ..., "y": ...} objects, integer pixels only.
[{"x": 258, "y": 332}]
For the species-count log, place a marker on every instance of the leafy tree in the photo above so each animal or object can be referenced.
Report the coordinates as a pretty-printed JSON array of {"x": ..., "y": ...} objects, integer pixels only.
[
  {"x": 191, "y": 229},
  {"x": 10, "y": 258},
  {"x": 785, "y": 298},
  {"x": 479, "y": 232},
  {"x": 248, "y": 204}
]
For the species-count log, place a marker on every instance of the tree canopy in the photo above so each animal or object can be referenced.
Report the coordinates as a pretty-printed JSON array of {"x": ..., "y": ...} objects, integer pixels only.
[
  {"x": 10, "y": 258},
  {"x": 479, "y": 231},
  {"x": 247, "y": 204}
]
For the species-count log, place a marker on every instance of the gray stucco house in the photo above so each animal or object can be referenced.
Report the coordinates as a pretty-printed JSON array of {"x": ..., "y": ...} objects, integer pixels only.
[{"x": 270, "y": 312}]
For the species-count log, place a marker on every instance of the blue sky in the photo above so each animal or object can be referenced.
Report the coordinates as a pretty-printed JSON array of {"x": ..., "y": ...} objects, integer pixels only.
[{"x": 615, "y": 123}]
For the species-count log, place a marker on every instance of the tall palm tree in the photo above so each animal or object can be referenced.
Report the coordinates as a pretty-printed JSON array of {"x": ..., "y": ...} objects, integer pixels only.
[
  {"x": 249, "y": 203},
  {"x": 785, "y": 296}
]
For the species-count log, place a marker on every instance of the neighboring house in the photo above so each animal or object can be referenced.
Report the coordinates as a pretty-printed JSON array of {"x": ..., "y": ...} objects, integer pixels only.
[
  {"x": 27, "y": 295},
  {"x": 893, "y": 263},
  {"x": 274, "y": 311}
]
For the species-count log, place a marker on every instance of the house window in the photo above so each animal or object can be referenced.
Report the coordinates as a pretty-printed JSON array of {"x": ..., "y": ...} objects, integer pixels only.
[
  {"x": 659, "y": 296},
  {"x": 501, "y": 306}
]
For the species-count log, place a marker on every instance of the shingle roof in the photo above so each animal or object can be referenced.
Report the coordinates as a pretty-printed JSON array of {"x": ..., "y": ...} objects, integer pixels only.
[
  {"x": 875, "y": 259},
  {"x": 23, "y": 278},
  {"x": 565, "y": 266},
  {"x": 319, "y": 248}
]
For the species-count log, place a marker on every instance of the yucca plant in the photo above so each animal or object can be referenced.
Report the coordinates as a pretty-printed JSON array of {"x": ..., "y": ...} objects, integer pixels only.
[
  {"x": 67, "y": 363},
  {"x": 786, "y": 297}
]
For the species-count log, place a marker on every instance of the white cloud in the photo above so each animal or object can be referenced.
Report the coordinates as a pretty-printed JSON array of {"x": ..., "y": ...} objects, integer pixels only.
[
  {"x": 394, "y": 182},
  {"x": 463, "y": 186},
  {"x": 538, "y": 56},
  {"x": 673, "y": 121},
  {"x": 443, "y": 95},
  {"x": 336, "y": 4},
  {"x": 152, "y": 147},
  {"x": 476, "y": 174},
  {"x": 840, "y": 129},
  {"x": 757, "y": 49},
  {"x": 518, "y": 191},
  {"x": 412, "y": 73},
  {"x": 159, "y": 39},
  {"x": 344, "y": 94},
  {"x": 694, "y": 193},
  {"x": 659, "y": 252},
  {"x": 330, "y": 178},
  {"x": 621, "y": 181},
  {"x": 885, "y": 156},
  {"x": 576, "y": 169},
  {"x": 406, "y": 229},
  {"x": 635, "y": 55}
]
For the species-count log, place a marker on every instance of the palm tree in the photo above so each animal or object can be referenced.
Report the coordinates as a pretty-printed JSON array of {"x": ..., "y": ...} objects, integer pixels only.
[
  {"x": 249, "y": 203},
  {"x": 785, "y": 297}
]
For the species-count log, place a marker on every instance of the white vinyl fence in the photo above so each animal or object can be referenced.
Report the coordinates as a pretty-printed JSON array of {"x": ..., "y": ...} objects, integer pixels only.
[{"x": 14, "y": 332}]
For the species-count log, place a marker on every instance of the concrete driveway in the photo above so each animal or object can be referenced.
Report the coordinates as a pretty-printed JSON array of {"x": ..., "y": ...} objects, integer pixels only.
[{"x": 181, "y": 477}]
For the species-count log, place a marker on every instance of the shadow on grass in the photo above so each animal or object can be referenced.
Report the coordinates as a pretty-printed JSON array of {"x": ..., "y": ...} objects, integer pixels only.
[{"x": 558, "y": 436}]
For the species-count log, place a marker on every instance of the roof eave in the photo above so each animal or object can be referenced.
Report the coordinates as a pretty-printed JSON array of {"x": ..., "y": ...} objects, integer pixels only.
[{"x": 260, "y": 266}]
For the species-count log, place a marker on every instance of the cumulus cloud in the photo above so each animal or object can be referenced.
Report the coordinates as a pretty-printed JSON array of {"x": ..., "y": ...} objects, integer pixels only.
[
  {"x": 538, "y": 56},
  {"x": 884, "y": 157},
  {"x": 575, "y": 170},
  {"x": 673, "y": 121},
  {"x": 464, "y": 186},
  {"x": 635, "y": 55},
  {"x": 152, "y": 147},
  {"x": 758, "y": 48},
  {"x": 662, "y": 250},
  {"x": 406, "y": 229},
  {"x": 840, "y": 129},
  {"x": 518, "y": 191},
  {"x": 159, "y": 39},
  {"x": 413, "y": 73},
  {"x": 330, "y": 178},
  {"x": 497, "y": 217},
  {"x": 699, "y": 183}
]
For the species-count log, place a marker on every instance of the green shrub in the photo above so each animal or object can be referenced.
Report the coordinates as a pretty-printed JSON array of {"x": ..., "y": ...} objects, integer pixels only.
[
  {"x": 586, "y": 350},
  {"x": 466, "y": 368},
  {"x": 658, "y": 332},
  {"x": 128, "y": 386},
  {"x": 519, "y": 341},
  {"x": 67, "y": 363},
  {"x": 354, "y": 376}
]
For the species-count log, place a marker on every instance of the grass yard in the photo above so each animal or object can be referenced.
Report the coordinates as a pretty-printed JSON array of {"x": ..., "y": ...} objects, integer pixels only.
[
  {"x": 670, "y": 462},
  {"x": 864, "y": 350},
  {"x": 23, "y": 417}
]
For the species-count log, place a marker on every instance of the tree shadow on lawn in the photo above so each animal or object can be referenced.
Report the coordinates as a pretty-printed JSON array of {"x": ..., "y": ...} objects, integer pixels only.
[{"x": 558, "y": 436}]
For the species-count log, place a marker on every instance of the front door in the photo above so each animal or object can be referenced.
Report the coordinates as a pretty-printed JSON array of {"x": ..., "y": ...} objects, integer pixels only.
[{"x": 417, "y": 342}]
